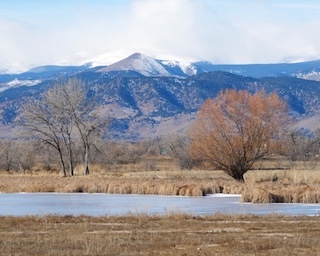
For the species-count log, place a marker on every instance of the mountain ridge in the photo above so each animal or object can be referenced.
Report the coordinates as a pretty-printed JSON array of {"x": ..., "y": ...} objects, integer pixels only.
[
  {"x": 245, "y": 69},
  {"x": 146, "y": 105}
]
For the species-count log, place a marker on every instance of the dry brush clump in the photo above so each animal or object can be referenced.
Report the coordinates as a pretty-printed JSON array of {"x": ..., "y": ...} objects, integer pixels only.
[
  {"x": 282, "y": 186},
  {"x": 279, "y": 193},
  {"x": 288, "y": 176}
]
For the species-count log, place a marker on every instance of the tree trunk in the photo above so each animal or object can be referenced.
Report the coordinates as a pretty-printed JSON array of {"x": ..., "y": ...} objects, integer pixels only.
[
  {"x": 237, "y": 173},
  {"x": 86, "y": 160},
  {"x": 239, "y": 177},
  {"x": 86, "y": 171},
  {"x": 63, "y": 167},
  {"x": 71, "y": 167}
]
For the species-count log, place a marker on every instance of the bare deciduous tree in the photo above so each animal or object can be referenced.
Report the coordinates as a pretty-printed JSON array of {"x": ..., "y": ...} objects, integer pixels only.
[
  {"x": 178, "y": 147},
  {"x": 6, "y": 155},
  {"x": 62, "y": 115},
  {"x": 16, "y": 155},
  {"x": 303, "y": 145},
  {"x": 24, "y": 155},
  {"x": 236, "y": 128},
  {"x": 122, "y": 152},
  {"x": 87, "y": 121},
  {"x": 39, "y": 119}
]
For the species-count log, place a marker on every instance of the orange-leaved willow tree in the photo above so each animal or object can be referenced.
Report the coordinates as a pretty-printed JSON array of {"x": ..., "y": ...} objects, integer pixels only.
[{"x": 237, "y": 128}]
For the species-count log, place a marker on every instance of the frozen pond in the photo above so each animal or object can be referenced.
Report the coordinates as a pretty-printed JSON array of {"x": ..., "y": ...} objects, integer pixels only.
[{"x": 20, "y": 204}]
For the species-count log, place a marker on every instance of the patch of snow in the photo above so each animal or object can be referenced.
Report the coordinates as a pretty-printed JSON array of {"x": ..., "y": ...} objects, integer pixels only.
[
  {"x": 312, "y": 75},
  {"x": 299, "y": 59},
  {"x": 17, "y": 83},
  {"x": 186, "y": 67},
  {"x": 235, "y": 71},
  {"x": 149, "y": 66}
]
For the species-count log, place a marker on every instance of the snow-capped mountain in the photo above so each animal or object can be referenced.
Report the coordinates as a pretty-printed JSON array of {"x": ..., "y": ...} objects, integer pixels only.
[
  {"x": 149, "y": 66},
  {"x": 141, "y": 107},
  {"x": 140, "y": 63},
  {"x": 148, "y": 97}
]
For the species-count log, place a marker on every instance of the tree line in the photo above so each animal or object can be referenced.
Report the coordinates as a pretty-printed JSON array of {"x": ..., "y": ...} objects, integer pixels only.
[
  {"x": 26, "y": 155},
  {"x": 298, "y": 146}
]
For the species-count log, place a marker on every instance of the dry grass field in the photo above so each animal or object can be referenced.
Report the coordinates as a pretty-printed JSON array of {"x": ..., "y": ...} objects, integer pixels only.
[
  {"x": 161, "y": 177},
  {"x": 276, "y": 182},
  {"x": 172, "y": 234}
]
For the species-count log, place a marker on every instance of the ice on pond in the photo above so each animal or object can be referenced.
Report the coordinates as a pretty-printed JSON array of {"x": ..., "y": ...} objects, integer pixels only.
[{"x": 21, "y": 204}]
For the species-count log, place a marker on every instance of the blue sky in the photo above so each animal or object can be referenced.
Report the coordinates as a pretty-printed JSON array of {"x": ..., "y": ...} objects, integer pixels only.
[{"x": 39, "y": 32}]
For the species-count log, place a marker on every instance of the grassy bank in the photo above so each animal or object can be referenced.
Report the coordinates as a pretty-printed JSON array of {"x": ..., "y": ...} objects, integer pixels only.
[
  {"x": 164, "y": 178},
  {"x": 158, "y": 183},
  {"x": 172, "y": 234},
  {"x": 282, "y": 186}
]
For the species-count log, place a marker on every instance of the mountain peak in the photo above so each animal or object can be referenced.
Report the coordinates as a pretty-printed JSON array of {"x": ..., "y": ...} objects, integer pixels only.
[
  {"x": 149, "y": 66},
  {"x": 140, "y": 63},
  {"x": 136, "y": 55}
]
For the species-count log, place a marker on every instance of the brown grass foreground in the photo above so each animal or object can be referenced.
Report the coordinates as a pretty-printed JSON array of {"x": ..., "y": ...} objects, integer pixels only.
[{"x": 171, "y": 234}]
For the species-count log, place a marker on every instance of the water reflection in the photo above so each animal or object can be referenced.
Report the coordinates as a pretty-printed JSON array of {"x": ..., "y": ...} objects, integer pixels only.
[{"x": 20, "y": 204}]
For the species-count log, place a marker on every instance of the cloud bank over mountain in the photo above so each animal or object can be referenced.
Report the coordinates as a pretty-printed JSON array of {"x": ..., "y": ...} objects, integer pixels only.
[{"x": 36, "y": 33}]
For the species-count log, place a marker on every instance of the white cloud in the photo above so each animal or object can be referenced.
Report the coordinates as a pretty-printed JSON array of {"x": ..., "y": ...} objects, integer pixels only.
[
  {"x": 166, "y": 25},
  {"x": 73, "y": 32}
]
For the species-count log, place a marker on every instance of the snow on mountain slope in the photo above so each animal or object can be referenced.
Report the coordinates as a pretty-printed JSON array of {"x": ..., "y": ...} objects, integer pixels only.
[
  {"x": 140, "y": 63},
  {"x": 310, "y": 75},
  {"x": 17, "y": 83},
  {"x": 299, "y": 59},
  {"x": 186, "y": 67}
]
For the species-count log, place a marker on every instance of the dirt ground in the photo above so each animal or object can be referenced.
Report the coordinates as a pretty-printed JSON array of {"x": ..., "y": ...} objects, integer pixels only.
[{"x": 171, "y": 234}]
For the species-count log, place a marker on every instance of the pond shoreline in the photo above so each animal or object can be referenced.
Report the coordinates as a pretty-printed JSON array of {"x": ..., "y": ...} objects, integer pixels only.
[{"x": 183, "y": 183}]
